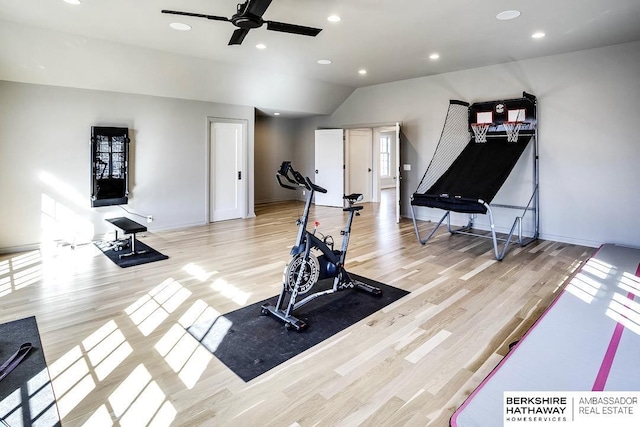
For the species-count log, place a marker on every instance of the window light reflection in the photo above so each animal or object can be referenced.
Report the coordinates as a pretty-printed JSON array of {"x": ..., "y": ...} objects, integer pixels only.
[
  {"x": 193, "y": 313},
  {"x": 230, "y": 291},
  {"x": 20, "y": 271},
  {"x": 10, "y": 408},
  {"x": 5, "y": 286},
  {"x": 198, "y": 272},
  {"x": 59, "y": 223},
  {"x": 74, "y": 375},
  {"x": 597, "y": 268},
  {"x": 150, "y": 310},
  {"x": 630, "y": 283},
  {"x": 64, "y": 189},
  {"x": 184, "y": 355},
  {"x": 626, "y": 312},
  {"x": 139, "y": 401},
  {"x": 99, "y": 418},
  {"x": 41, "y": 400},
  {"x": 584, "y": 287}
]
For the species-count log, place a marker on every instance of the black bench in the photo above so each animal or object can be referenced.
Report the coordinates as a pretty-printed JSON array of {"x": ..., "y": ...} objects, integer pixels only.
[{"x": 127, "y": 226}]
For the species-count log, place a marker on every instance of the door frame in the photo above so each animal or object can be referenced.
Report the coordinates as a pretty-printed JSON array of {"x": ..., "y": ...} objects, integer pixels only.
[
  {"x": 397, "y": 126},
  {"x": 369, "y": 180},
  {"x": 244, "y": 162}
]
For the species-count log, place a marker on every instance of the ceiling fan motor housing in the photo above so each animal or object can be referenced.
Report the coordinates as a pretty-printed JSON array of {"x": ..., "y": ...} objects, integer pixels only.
[
  {"x": 248, "y": 17},
  {"x": 246, "y": 21}
]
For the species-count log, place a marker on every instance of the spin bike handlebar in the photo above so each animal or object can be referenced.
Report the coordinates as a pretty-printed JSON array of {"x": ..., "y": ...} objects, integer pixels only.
[
  {"x": 295, "y": 178},
  {"x": 312, "y": 186}
]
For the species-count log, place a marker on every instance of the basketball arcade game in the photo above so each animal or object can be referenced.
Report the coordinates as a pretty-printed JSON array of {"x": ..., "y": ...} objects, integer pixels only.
[{"x": 479, "y": 147}]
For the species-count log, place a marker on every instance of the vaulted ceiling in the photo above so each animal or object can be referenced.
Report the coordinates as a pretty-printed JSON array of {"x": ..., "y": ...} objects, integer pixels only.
[{"x": 390, "y": 39}]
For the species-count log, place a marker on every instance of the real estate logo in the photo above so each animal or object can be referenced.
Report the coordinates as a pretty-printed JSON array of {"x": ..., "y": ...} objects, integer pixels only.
[{"x": 571, "y": 409}]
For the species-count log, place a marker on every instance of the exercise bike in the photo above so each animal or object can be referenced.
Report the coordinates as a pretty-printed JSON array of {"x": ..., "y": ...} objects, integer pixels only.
[{"x": 306, "y": 268}]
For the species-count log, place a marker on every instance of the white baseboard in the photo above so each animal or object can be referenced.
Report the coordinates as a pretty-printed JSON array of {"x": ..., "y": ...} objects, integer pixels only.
[
  {"x": 20, "y": 248},
  {"x": 543, "y": 236}
]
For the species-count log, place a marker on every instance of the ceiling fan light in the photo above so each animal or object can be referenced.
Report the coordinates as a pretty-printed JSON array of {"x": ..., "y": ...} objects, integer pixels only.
[
  {"x": 334, "y": 18},
  {"x": 261, "y": 46},
  {"x": 434, "y": 56},
  {"x": 538, "y": 35},
  {"x": 362, "y": 71}
]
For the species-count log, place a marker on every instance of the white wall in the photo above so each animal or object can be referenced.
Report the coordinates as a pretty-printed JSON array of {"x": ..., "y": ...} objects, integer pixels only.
[
  {"x": 588, "y": 141},
  {"x": 588, "y": 134},
  {"x": 45, "y": 160}
]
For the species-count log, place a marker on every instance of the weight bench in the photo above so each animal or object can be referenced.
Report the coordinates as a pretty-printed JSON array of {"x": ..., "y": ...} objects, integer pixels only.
[{"x": 127, "y": 226}]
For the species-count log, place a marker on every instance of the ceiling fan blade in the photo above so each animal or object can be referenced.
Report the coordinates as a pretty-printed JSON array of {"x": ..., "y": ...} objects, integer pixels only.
[
  {"x": 238, "y": 35},
  {"x": 291, "y": 28},
  {"x": 258, "y": 7},
  {"x": 197, "y": 15}
]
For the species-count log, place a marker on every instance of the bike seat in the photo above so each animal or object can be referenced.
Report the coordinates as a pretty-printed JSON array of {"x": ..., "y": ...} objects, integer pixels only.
[{"x": 353, "y": 197}]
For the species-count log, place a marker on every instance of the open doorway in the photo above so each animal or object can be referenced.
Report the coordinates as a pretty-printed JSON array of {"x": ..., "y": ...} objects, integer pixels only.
[
  {"x": 371, "y": 163},
  {"x": 386, "y": 150}
]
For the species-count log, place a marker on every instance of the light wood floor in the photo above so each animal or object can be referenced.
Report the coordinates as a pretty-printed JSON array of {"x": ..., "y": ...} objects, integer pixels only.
[{"x": 118, "y": 353}]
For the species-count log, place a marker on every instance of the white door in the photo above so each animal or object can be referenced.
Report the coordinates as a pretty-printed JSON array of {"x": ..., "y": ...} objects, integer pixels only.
[
  {"x": 329, "y": 162},
  {"x": 227, "y": 185},
  {"x": 398, "y": 177},
  {"x": 359, "y": 169}
]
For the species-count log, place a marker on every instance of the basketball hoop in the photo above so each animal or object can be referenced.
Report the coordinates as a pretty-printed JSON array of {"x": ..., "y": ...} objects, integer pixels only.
[
  {"x": 480, "y": 131},
  {"x": 513, "y": 130}
]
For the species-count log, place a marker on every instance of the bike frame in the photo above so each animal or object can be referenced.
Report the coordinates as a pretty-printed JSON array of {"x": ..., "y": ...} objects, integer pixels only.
[{"x": 306, "y": 241}]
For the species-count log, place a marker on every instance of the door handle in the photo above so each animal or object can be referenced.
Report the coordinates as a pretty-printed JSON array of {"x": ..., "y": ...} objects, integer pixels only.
[
  {"x": 239, "y": 175},
  {"x": 369, "y": 170},
  {"x": 316, "y": 170}
]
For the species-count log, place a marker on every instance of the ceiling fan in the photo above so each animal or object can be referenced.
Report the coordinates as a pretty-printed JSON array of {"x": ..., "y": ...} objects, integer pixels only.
[{"x": 249, "y": 16}]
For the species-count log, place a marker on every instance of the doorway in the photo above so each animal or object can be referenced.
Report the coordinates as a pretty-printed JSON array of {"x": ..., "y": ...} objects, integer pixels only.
[
  {"x": 227, "y": 183},
  {"x": 386, "y": 141},
  {"x": 350, "y": 160},
  {"x": 359, "y": 163}
]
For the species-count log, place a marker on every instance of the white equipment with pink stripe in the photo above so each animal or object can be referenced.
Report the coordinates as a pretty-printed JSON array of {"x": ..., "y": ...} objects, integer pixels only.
[{"x": 587, "y": 340}]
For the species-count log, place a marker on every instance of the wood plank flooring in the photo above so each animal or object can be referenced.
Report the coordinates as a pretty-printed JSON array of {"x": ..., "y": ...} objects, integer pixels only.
[{"x": 119, "y": 355}]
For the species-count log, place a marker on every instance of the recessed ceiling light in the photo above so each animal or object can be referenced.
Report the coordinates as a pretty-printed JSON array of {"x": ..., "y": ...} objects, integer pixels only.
[
  {"x": 334, "y": 18},
  {"x": 508, "y": 14},
  {"x": 261, "y": 46},
  {"x": 72, "y": 1},
  {"x": 362, "y": 71},
  {"x": 276, "y": 114},
  {"x": 434, "y": 56},
  {"x": 538, "y": 35},
  {"x": 180, "y": 26},
  {"x": 324, "y": 61}
]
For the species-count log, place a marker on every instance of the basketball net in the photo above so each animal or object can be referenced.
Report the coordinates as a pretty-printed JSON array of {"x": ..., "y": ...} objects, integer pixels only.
[
  {"x": 513, "y": 130},
  {"x": 480, "y": 131}
]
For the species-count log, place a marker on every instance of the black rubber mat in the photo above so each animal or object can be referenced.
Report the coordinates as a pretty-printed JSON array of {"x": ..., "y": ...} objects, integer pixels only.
[
  {"x": 251, "y": 344},
  {"x": 26, "y": 394},
  {"x": 150, "y": 255}
]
